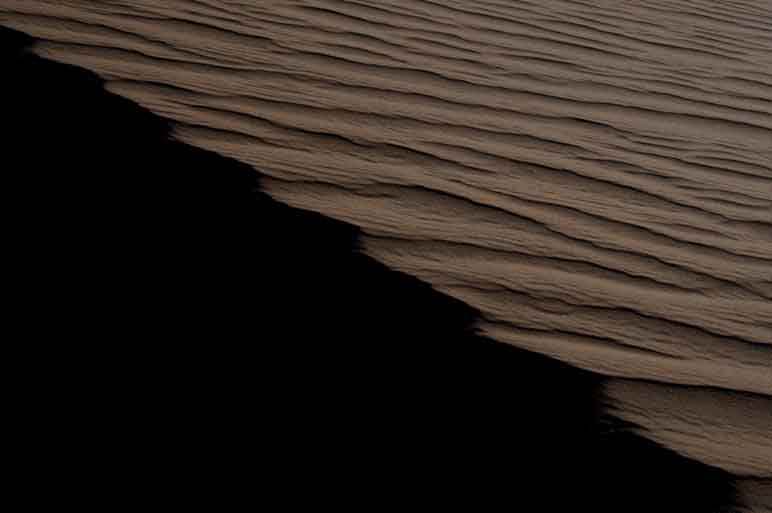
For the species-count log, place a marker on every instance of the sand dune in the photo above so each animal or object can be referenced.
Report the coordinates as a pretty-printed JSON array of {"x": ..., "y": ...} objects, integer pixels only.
[{"x": 595, "y": 177}]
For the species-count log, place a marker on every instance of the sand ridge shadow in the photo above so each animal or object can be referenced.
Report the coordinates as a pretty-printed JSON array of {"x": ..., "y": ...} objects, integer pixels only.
[{"x": 258, "y": 333}]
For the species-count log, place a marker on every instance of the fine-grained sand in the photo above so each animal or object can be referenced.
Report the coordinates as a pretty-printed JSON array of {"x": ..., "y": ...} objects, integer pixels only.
[{"x": 594, "y": 176}]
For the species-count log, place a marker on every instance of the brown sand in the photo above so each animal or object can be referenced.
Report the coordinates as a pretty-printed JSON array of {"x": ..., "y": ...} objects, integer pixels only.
[{"x": 594, "y": 176}]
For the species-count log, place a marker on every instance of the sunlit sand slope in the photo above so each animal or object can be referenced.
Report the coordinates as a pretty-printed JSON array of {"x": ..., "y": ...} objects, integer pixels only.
[{"x": 594, "y": 176}]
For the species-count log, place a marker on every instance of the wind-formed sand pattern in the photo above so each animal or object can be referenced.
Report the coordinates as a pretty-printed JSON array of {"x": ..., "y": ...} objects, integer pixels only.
[{"x": 595, "y": 177}]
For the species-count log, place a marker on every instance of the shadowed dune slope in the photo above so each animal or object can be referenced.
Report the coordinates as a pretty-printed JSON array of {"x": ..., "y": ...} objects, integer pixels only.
[
  {"x": 594, "y": 178},
  {"x": 258, "y": 332}
]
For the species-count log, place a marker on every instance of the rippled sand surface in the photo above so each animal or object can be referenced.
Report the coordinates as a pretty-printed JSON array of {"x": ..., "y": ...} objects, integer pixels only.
[{"x": 595, "y": 177}]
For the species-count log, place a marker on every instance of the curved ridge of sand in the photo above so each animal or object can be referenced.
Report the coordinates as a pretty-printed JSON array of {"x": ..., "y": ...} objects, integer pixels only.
[{"x": 594, "y": 177}]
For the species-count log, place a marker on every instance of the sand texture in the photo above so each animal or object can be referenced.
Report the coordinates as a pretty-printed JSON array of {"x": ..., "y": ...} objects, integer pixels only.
[{"x": 594, "y": 176}]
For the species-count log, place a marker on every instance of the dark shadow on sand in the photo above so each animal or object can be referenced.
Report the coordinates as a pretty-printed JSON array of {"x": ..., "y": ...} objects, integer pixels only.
[{"x": 262, "y": 355}]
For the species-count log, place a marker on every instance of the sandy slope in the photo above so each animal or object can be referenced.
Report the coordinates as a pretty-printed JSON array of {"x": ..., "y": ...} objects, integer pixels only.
[{"x": 594, "y": 176}]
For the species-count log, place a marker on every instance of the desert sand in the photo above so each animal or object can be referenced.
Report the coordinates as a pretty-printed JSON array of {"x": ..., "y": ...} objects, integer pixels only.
[{"x": 595, "y": 177}]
